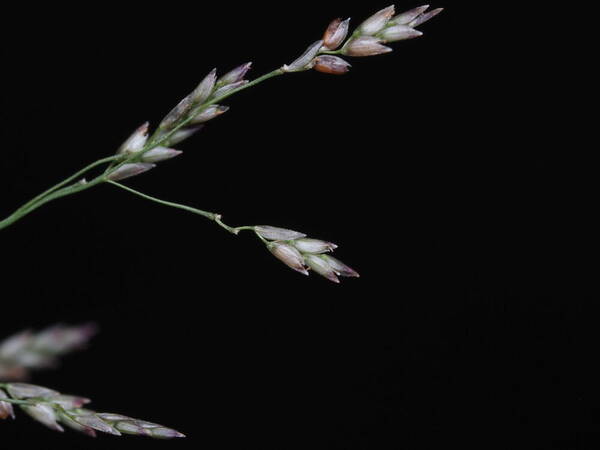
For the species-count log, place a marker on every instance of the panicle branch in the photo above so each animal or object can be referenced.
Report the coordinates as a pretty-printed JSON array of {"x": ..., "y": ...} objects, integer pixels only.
[
  {"x": 201, "y": 105},
  {"x": 292, "y": 248},
  {"x": 142, "y": 151}
]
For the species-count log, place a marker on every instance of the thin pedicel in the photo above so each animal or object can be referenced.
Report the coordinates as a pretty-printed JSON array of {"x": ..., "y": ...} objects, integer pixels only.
[{"x": 141, "y": 151}]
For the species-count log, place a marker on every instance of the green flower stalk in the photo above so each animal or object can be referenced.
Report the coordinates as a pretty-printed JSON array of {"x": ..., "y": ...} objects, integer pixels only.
[{"x": 142, "y": 151}]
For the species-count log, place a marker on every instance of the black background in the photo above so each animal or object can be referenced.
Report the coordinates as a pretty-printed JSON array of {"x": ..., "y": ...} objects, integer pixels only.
[{"x": 474, "y": 322}]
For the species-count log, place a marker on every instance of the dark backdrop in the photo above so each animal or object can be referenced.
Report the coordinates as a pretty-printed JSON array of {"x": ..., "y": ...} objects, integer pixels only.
[{"x": 473, "y": 323}]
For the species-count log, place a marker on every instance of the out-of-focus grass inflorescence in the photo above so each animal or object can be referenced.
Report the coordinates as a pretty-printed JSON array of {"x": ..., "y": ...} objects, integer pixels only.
[
  {"x": 143, "y": 150},
  {"x": 53, "y": 409},
  {"x": 26, "y": 350}
]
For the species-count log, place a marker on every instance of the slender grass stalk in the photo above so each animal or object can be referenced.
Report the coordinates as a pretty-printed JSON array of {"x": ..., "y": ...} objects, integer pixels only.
[
  {"x": 209, "y": 215},
  {"x": 55, "y": 192}
]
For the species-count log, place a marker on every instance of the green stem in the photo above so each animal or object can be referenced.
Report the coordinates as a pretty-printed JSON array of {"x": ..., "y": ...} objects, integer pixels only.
[
  {"x": 209, "y": 215},
  {"x": 69, "y": 179},
  {"x": 14, "y": 400},
  {"x": 18, "y": 402},
  {"x": 56, "y": 192},
  {"x": 262, "y": 238},
  {"x": 254, "y": 82}
]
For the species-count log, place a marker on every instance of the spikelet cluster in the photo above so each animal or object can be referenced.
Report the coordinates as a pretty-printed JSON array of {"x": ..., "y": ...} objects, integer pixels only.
[
  {"x": 56, "y": 410},
  {"x": 302, "y": 254},
  {"x": 367, "y": 40},
  {"x": 142, "y": 153},
  {"x": 188, "y": 117}
]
